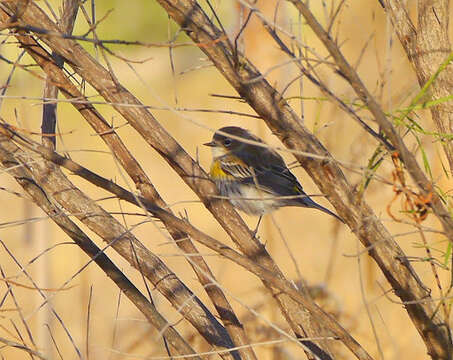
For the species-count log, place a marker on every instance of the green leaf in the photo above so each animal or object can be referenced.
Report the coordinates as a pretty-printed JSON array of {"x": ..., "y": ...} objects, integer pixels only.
[
  {"x": 425, "y": 159},
  {"x": 447, "y": 254}
]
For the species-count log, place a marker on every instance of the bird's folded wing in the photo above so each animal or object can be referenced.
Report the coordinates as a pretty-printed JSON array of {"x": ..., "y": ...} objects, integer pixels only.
[
  {"x": 276, "y": 180},
  {"x": 273, "y": 179},
  {"x": 235, "y": 167}
]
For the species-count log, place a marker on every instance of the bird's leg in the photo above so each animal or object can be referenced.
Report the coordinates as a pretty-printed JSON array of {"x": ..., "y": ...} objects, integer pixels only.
[{"x": 257, "y": 226}]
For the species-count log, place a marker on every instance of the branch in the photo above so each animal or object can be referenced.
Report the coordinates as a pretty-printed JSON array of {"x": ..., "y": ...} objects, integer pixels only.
[
  {"x": 143, "y": 184},
  {"x": 419, "y": 177},
  {"x": 271, "y": 278},
  {"x": 285, "y": 124},
  {"x": 25, "y": 179},
  {"x": 189, "y": 170},
  {"x": 427, "y": 47},
  {"x": 20, "y": 346},
  {"x": 49, "y": 110}
]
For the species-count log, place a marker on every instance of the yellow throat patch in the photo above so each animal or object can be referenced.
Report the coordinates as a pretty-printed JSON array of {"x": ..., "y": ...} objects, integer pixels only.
[{"x": 217, "y": 172}]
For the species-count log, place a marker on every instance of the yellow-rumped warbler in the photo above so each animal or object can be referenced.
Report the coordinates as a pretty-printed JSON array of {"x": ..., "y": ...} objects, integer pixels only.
[{"x": 254, "y": 178}]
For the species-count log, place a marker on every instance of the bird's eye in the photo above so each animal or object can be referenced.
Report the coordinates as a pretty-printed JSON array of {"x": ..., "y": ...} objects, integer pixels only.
[{"x": 227, "y": 142}]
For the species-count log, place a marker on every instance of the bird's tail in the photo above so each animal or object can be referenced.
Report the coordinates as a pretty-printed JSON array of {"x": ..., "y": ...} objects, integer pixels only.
[{"x": 308, "y": 202}]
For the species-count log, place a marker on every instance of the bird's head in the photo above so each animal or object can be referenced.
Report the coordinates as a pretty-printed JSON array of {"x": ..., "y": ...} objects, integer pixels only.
[{"x": 222, "y": 143}]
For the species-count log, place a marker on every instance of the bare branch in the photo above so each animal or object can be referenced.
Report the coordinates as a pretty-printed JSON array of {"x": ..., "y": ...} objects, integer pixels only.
[
  {"x": 25, "y": 179},
  {"x": 147, "y": 126},
  {"x": 49, "y": 117},
  {"x": 427, "y": 47},
  {"x": 142, "y": 182},
  {"x": 312, "y": 327},
  {"x": 408, "y": 158},
  {"x": 185, "y": 227},
  {"x": 285, "y": 124},
  {"x": 14, "y": 344}
]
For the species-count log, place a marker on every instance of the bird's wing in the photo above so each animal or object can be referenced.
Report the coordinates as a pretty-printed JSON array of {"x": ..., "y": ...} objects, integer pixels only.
[
  {"x": 270, "y": 176},
  {"x": 235, "y": 167},
  {"x": 276, "y": 179},
  {"x": 271, "y": 171}
]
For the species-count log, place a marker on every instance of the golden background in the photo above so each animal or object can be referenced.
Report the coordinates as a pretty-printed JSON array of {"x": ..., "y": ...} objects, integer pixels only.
[{"x": 324, "y": 249}]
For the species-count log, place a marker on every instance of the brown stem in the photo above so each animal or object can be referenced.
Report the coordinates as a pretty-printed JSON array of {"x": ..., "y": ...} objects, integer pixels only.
[
  {"x": 25, "y": 179},
  {"x": 147, "y": 126},
  {"x": 271, "y": 278},
  {"x": 143, "y": 183},
  {"x": 427, "y": 47},
  {"x": 285, "y": 124}
]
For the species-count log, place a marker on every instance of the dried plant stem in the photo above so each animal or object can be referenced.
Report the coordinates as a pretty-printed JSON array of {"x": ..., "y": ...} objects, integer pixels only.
[
  {"x": 148, "y": 127},
  {"x": 427, "y": 46},
  {"x": 362, "y": 92},
  {"x": 285, "y": 124},
  {"x": 275, "y": 281},
  {"x": 25, "y": 179},
  {"x": 58, "y": 187},
  {"x": 143, "y": 183}
]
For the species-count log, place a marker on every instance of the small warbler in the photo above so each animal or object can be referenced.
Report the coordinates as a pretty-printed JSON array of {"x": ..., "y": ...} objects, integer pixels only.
[{"x": 254, "y": 178}]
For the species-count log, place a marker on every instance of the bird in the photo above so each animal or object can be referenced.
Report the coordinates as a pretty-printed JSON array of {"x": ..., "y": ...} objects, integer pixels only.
[{"x": 253, "y": 176}]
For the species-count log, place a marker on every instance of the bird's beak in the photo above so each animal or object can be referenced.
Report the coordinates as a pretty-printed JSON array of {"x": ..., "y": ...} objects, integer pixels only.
[{"x": 210, "y": 144}]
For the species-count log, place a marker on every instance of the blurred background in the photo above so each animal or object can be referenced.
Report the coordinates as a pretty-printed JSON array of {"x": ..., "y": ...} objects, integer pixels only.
[{"x": 174, "y": 83}]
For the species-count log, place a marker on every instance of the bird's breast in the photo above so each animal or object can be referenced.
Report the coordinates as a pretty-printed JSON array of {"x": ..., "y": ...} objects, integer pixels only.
[{"x": 247, "y": 198}]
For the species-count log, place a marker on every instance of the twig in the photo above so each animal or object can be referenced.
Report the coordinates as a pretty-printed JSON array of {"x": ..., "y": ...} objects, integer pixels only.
[
  {"x": 227, "y": 252},
  {"x": 34, "y": 190}
]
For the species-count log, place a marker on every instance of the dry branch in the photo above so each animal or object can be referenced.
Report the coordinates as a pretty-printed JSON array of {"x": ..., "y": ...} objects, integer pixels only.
[
  {"x": 147, "y": 126},
  {"x": 49, "y": 116},
  {"x": 16, "y": 345},
  {"x": 285, "y": 124},
  {"x": 419, "y": 177},
  {"x": 278, "y": 115},
  {"x": 107, "y": 133},
  {"x": 25, "y": 179},
  {"x": 427, "y": 47},
  {"x": 59, "y": 188},
  {"x": 280, "y": 284}
]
